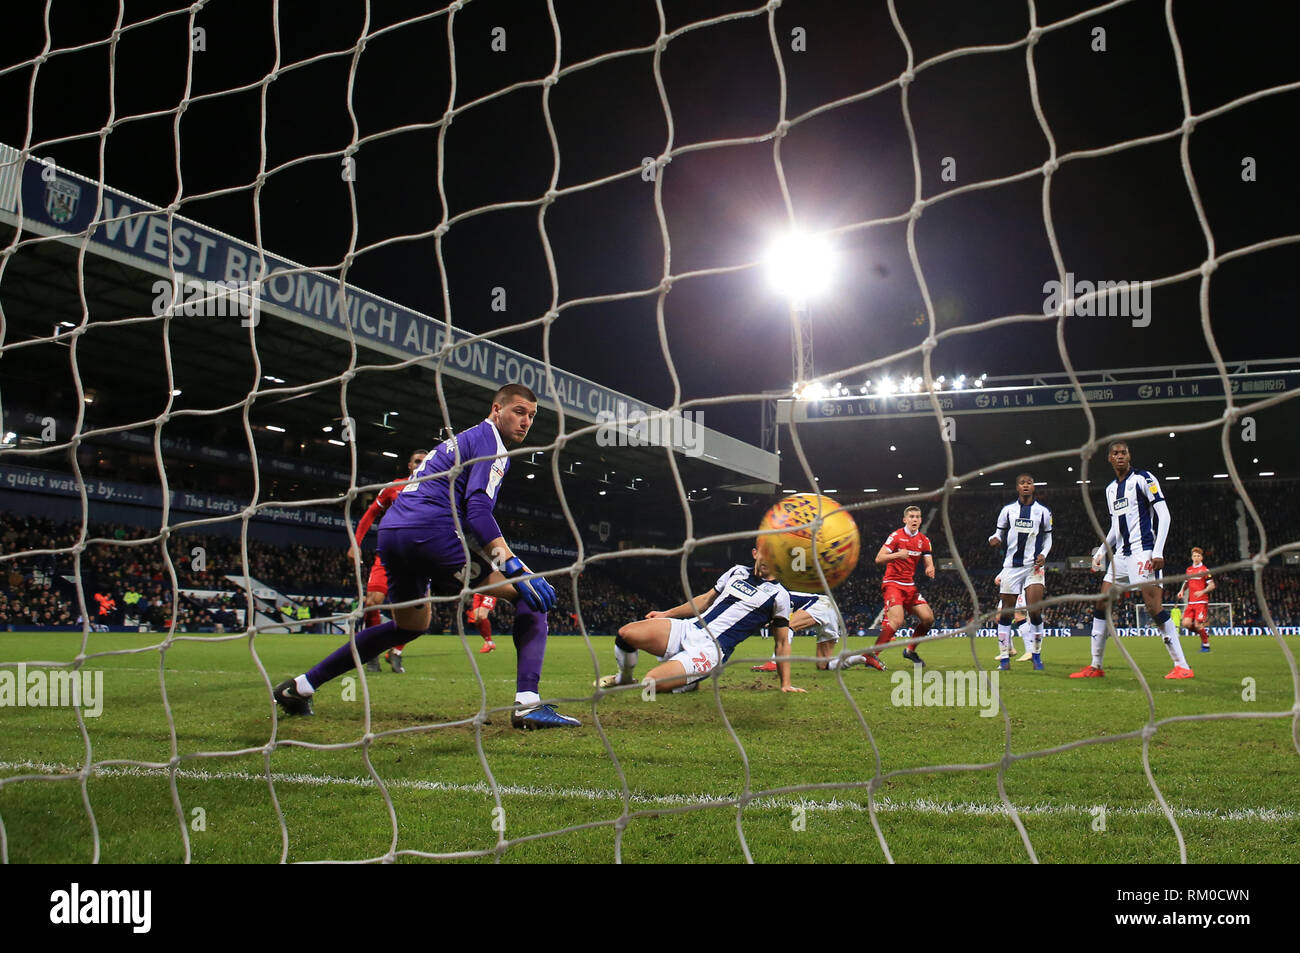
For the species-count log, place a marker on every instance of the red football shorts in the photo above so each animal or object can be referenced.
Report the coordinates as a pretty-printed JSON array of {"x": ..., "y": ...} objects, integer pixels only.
[
  {"x": 1196, "y": 614},
  {"x": 905, "y": 596},
  {"x": 378, "y": 581}
]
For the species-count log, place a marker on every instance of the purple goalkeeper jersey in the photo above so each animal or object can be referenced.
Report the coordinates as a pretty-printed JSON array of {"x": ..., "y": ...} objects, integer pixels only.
[{"x": 426, "y": 503}]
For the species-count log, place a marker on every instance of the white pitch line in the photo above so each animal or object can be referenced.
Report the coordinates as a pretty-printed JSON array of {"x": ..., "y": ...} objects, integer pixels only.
[{"x": 783, "y": 801}]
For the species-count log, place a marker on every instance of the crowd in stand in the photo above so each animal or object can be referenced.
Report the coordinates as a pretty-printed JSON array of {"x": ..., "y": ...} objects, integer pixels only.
[{"x": 135, "y": 581}]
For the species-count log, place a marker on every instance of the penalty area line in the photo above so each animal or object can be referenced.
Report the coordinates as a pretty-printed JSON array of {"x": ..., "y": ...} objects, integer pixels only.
[{"x": 782, "y": 801}]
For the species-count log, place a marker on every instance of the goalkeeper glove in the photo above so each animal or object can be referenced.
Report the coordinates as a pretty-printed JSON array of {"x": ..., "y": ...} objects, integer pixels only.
[{"x": 538, "y": 593}]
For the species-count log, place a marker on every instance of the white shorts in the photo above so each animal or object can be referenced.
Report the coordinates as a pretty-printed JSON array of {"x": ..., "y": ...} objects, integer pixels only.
[
  {"x": 1016, "y": 578},
  {"x": 692, "y": 646},
  {"x": 827, "y": 628},
  {"x": 1132, "y": 570}
]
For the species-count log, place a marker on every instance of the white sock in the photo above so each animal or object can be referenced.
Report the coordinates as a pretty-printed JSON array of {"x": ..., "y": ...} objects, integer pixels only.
[
  {"x": 1038, "y": 638},
  {"x": 1004, "y": 639},
  {"x": 626, "y": 661},
  {"x": 1098, "y": 641},
  {"x": 527, "y": 699},
  {"x": 1172, "y": 643},
  {"x": 304, "y": 687}
]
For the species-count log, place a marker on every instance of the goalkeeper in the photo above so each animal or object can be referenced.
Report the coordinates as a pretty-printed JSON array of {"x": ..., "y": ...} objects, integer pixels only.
[{"x": 419, "y": 545}]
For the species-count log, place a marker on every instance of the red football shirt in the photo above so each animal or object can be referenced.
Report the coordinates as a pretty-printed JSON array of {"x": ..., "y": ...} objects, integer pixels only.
[
  {"x": 1198, "y": 576},
  {"x": 382, "y": 502},
  {"x": 902, "y": 572}
]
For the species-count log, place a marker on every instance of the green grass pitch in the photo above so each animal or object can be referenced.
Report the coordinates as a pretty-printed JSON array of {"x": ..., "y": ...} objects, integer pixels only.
[{"x": 1231, "y": 783}]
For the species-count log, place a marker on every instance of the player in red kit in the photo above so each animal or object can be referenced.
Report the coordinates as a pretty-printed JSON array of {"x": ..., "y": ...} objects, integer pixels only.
[
  {"x": 900, "y": 554},
  {"x": 377, "y": 584},
  {"x": 477, "y": 617},
  {"x": 1198, "y": 587}
]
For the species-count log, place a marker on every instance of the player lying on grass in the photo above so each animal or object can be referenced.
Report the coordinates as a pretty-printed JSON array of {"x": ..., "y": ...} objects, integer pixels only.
[
  {"x": 814, "y": 614},
  {"x": 696, "y": 637},
  {"x": 421, "y": 547},
  {"x": 377, "y": 584},
  {"x": 1139, "y": 524},
  {"x": 1197, "y": 591},
  {"x": 1025, "y": 528}
]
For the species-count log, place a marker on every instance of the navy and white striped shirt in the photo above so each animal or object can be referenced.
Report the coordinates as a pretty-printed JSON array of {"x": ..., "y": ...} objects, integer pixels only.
[
  {"x": 1026, "y": 529},
  {"x": 744, "y": 605},
  {"x": 1135, "y": 524}
]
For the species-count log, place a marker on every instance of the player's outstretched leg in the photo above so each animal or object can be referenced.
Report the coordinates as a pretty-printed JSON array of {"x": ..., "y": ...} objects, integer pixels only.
[
  {"x": 626, "y": 656},
  {"x": 294, "y": 695},
  {"x": 530, "y": 645}
]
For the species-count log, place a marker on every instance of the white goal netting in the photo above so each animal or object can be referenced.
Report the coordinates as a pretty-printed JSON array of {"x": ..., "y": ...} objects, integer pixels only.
[{"x": 645, "y": 158}]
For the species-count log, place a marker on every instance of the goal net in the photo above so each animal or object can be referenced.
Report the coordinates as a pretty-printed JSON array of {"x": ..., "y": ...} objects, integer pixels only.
[
  {"x": 1218, "y": 616},
  {"x": 250, "y": 262}
]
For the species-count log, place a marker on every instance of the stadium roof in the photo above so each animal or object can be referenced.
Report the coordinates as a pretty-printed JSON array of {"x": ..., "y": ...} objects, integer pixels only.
[
  {"x": 1173, "y": 419},
  {"x": 296, "y": 353}
]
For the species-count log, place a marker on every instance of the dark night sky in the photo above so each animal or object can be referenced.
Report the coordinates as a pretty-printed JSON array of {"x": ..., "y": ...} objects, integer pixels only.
[{"x": 1123, "y": 216}]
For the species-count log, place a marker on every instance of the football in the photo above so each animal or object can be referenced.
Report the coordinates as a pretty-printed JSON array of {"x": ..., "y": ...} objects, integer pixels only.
[{"x": 790, "y": 551}]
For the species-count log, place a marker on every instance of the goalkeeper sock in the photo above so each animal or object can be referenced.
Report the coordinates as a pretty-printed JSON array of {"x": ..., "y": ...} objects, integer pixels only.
[
  {"x": 304, "y": 687},
  {"x": 1172, "y": 643},
  {"x": 370, "y": 643},
  {"x": 530, "y": 645},
  {"x": 626, "y": 661},
  {"x": 1098, "y": 640}
]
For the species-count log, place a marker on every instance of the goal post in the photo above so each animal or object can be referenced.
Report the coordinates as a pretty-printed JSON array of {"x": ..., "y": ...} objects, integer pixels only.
[{"x": 1219, "y": 616}]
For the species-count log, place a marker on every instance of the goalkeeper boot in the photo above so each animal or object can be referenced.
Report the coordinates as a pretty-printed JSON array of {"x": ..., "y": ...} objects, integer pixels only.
[
  {"x": 1088, "y": 671},
  {"x": 543, "y": 716},
  {"x": 1181, "y": 671},
  {"x": 287, "y": 697},
  {"x": 911, "y": 656},
  {"x": 1038, "y": 662},
  {"x": 373, "y": 665},
  {"x": 395, "y": 662},
  {"x": 768, "y": 666}
]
